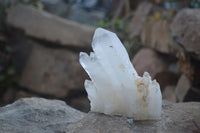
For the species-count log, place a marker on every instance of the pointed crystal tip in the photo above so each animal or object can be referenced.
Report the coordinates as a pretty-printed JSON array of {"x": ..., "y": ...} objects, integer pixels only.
[{"x": 100, "y": 31}]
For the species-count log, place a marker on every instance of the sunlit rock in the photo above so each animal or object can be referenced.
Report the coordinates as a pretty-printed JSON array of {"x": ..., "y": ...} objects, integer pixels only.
[{"x": 115, "y": 87}]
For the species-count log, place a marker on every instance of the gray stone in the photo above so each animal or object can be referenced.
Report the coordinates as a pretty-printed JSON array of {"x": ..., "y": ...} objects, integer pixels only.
[
  {"x": 176, "y": 117},
  {"x": 182, "y": 88},
  {"x": 158, "y": 66},
  {"x": 139, "y": 19},
  {"x": 37, "y": 115},
  {"x": 186, "y": 91},
  {"x": 185, "y": 29},
  {"x": 157, "y": 35},
  {"x": 149, "y": 61},
  {"x": 52, "y": 72},
  {"x": 45, "y": 26}
]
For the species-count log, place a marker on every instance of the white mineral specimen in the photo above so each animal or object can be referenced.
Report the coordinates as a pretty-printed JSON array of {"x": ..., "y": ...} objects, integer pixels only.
[{"x": 115, "y": 87}]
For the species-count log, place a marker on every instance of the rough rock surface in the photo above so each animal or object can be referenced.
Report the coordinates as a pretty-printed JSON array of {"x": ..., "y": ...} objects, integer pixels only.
[
  {"x": 177, "y": 117},
  {"x": 151, "y": 37},
  {"x": 182, "y": 88},
  {"x": 52, "y": 72},
  {"x": 37, "y": 115},
  {"x": 52, "y": 116},
  {"x": 139, "y": 19},
  {"x": 150, "y": 61},
  {"x": 185, "y": 30},
  {"x": 186, "y": 91},
  {"x": 45, "y": 26},
  {"x": 157, "y": 65}
]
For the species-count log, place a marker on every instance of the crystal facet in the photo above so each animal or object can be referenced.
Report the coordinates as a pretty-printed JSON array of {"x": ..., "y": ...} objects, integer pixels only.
[{"x": 115, "y": 87}]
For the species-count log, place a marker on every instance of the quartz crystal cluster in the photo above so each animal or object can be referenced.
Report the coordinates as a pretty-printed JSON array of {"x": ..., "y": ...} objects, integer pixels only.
[{"x": 115, "y": 87}]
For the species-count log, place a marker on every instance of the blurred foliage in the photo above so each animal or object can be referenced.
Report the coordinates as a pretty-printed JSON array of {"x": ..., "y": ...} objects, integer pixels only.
[
  {"x": 8, "y": 74},
  {"x": 7, "y": 70},
  {"x": 37, "y": 3},
  {"x": 133, "y": 45},
  {"x": 195, "y": 3},
  {"x": 117, "y": 25},
  {"x": 7, "y": 3},
  {"x": 185, "y": 3},
  {"x": 156, "y": 16},
  {"x": 172, "y": 0},
  {"x": 162, "y": 16}
]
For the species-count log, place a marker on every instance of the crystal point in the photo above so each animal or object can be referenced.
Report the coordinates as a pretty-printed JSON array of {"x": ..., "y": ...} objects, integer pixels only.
[{"x": 115, "y": 87}]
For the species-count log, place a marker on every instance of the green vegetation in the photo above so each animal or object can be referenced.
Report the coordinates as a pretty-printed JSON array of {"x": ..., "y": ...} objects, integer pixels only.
[{"x": 7, "y": 70}]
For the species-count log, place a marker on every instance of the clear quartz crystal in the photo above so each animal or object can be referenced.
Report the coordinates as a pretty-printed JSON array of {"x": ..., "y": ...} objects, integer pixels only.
[{"x": 115, "y": 87}]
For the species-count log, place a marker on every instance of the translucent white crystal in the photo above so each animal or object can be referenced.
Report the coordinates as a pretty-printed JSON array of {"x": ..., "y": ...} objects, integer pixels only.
[{"x": 115, "y": 87}]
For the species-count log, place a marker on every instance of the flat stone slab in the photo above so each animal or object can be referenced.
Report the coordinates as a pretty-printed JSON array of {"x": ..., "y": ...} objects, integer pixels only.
[
  {"x": 45, "y": 26},
  {"x": 52, "y": 72},
  {"x": 38, "y": 115}
]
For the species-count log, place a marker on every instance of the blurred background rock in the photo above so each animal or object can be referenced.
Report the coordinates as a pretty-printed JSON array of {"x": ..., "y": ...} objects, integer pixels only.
[{"x": 40, "y": 41}]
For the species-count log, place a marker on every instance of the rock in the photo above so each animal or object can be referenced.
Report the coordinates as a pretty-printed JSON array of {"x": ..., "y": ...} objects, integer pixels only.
[
  {"x": 151, "y": 37},
  {"x": 176, "y": 117},
  {"x": 169, "y": 93},
  {"x": 52, "y": 72},
  {"x": 149, "y": 61},
  {"x": 40, "y": 115},
  {"x": 185, "y": 91},
  {"x": 139, "y": 19},
  {"x": 190, "y": 67},
  {"x": 185, "y": 29},
  {"x": 37, "y": 115},
  {"x": 44, "y": 26},
  {"x": 100, "y": 123},
  {"x": 182, "y": 88},
  {"x": 157, "y": 65}
]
